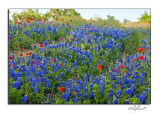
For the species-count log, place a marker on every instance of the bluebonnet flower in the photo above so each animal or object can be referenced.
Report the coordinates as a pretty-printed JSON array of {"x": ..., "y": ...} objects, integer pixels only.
[
  {"x": 111, "y": 92},
  {"x": 82, "y": 61},
  {"x": 81, "y": 84},
  {"x": 99, "y": 62},
  {"x": 18, "y": 60},
  {"x": 101, "y": 87},
  {"x": 27, "y": 72},
  {"x": 143, "y": 97},
  {"x": 69, "y": 83},
  {"x": 52, "y": 100},
  {"x": 140, "y": 80},
  {"x": 113, "y": 84},
  {"x": 49, "y": 52},
  {"x": 138, "y": 95},
  {"x": 91, "y": 95},
  {"x": 36, "y": 88},
  {"x": 13, "y": 56},
  {"x": 96, "y": 80},
  {"x": 90, "y": 78},
  {"x": 48, "y": 83},
  {"x": 63, "y": 84},
  {"x": 61, "y": 75},
  {"x": 33, "y": 82},
  {"x": 125, "y": 79},
  {"x": 130, "y": 92},
  {"x": 118, "y": 93},
  {"x": 85, "y": 77},
  {"x": 19, "y": 81},
  {"x": 25, "y": 98},
  {"x": 59, "y": 52},
  {"x": 49, "y": 76},
  {"x": 75, "y": 100},
  {"x": 108, "y": 82},
  {"x": 16, "y": 85},
  {"x": 68, "y": 70},
  {"x": 118, "y": 79},
  {"x": 115, "y": 101},
  {"x": 127, "y": 101},
  {"x": 148, "y": 90},
  {"x": 85, "y": 95},
  {"x": 108, "y": 96}
]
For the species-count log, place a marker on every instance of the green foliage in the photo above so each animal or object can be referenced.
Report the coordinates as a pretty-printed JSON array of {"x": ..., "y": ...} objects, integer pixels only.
[
  {"x": 130, "y": 46},
  {"x": 53, "y": 13},
  {"x": 126, "y": 21},
  {"x": 15, "y": 95},
  {"x": 25, "y": 43},
  {"x": 145, "y": 18},
  {"x": 111, "y": 21}
]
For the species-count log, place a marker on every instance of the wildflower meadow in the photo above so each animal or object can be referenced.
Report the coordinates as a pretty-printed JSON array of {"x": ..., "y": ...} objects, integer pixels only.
[{"x": 66, "y": 59}]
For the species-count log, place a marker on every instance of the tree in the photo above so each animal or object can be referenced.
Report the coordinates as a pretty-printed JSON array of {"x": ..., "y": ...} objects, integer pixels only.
[
  {"x": 126, "y": 21},
  {"x": 145, "y": 18}
]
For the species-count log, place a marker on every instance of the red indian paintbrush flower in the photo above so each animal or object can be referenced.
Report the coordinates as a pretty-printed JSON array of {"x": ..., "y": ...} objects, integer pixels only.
[
  {"x": 68, "y": 24},
  {"x": 119, "y": 85},
  {"x": 22, "y": 49},
  {"x": 114, "y": 69},
  {"x": 141, "y": 58},
  {"x": 29, "y": 53},
  {"x": 60, "y": 64},
  {"x": 84, "y": 33},
  {"x": 21, "y": 54},
  {"x": 39, "y": 77},
  {"x": 72, "y": 39},
  {"x": 145, "y": 50},
  {"x": 61, "y": 88},
  {"x": 62, "y": 38},
  {"x": 10, "y": 57},
  {"x": 75, "y": 92},
  {"x": 122, "y": 66},
  {"x": 41, "y": 45},
  {"x": 135, "y": 59},
  {"x": 139, "y": 49},
  {"x": 28, "y": 21},
  {"x": 33, "y": 61},
  {"x": 52, "y": 60},
  {"x": 17, "y": 45},
  {"x": 99, "y": 66}
]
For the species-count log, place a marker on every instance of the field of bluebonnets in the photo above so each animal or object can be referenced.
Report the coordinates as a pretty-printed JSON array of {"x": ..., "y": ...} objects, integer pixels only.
[{"x": 76, "y": 61}]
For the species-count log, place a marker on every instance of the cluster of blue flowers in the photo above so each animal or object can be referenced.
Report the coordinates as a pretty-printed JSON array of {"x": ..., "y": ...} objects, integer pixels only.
[{"x": 72, "y": 65}]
